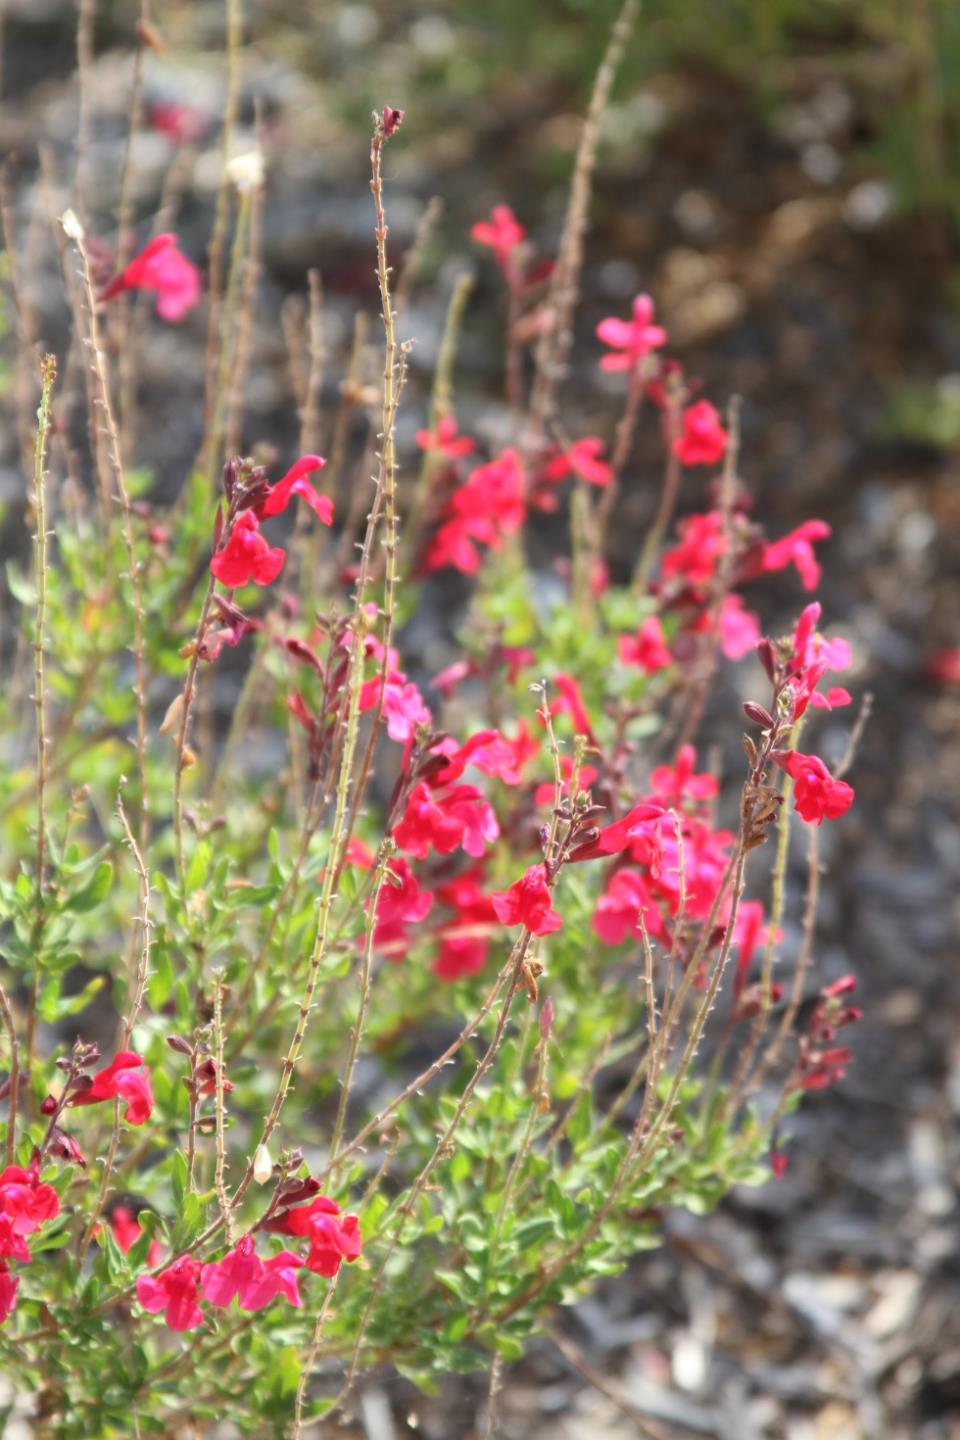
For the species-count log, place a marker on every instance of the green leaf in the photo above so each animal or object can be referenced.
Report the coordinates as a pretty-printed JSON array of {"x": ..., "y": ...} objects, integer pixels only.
[
  {"x": 20, "y": 587},
  {"x": 532, "y": 1231},
  {"x": 95, "y": 890},
  {"x": 178, "y": 1179},
  {"x": 54, "y": 1006}
]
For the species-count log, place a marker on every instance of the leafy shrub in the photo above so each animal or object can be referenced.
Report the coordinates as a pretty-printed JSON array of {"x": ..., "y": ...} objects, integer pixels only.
[{"x": 418, "y": 1004}]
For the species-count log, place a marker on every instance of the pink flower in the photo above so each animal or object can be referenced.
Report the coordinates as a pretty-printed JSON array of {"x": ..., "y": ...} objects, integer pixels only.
[
  {"x": 334, "y": 1237},
  {"x": 633, "y": 338},
  {"x": 581, "y": 459},
  {"x": 739, "y": 628},
  {"x": 647, "y": 649},
  {"x": 640, "y": 824},
  {"x": 452, "y": 549},
  {"x": 809, "y": 646},
  {"x": 278, "y": 496},
  {"x": 402, "y": 902},
  {"x": 818, "y": 796},
  {"x": 812, "y": 657},
  {"x": 620, "y": 906},
  {"x": 180, "y": 122},
  {"x": 25, "y": 1203},
  {"x": 487, "y": 507},
  {"x": 446, "y": 439},
  {"x": 751, "y": 931},
  {"x": 12, "y": 1245},
  {"x": 427, "y": 825},
  {"x": 570, "y": 702},
  {"x": 676, "y": 783},
  {"x": 489, "y": 752},
  {"x": 161, "y": 267},
  {"x": 8, "y": 1292},
  {"x": 527, "y": 902},
  {"x": 403, "y": 706},
  {"x": 703, "y": 440},
  {"x": 246, "y": 556},
  {"x": 126, "y": 1078},
  {"x": 797, "y": 549},
  {"x": 491, "y": 503},
  {"x": 702, "y": 542},
  {"x": 465, "y": 803},
  {"x": 126, "y": 1230},
  {"x": 502, "y": 233},
  {"x": 174, "y": 1291},
  {"x": 241, "y": 1274},
  {"x": 333, "y": 1240},
  {"x": 447, "y": 679},
  {"x": 465, "y": 939}
]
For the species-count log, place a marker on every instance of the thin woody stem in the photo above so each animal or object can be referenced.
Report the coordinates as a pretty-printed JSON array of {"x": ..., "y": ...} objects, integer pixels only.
[
  {"x": 555, "y": 341},
  {"x": 98, "y": 367},
  {"x": 48, "y": 374},
  {"x": 14, "y": 1076},
  {"x": 220, "y": 1183},
  {"x": 356, "y": 1033}
]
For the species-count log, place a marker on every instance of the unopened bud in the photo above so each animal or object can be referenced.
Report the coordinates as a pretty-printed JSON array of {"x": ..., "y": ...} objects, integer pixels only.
[
  {"x": 246, "y": 172},
  {"x": 180, "y": 1043},
  {"x": 767, "y": 658},
  {"x": 171, "y": 719},
  {"x": 758, "y": 714},
  {"x": 71, "y": 225}
]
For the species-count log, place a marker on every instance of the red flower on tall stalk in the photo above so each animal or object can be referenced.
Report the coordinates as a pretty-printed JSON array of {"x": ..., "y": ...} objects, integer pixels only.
[
  {"x": 465, "y": 939},
  {"x": 703, "y": 440},
  {"x": 446, "y": 439},
  {"x": 8, "y": 1291},
  {"x": 528, "y": 903},
  {"x": 402, "y": 902},
  {"x": 582, "y": 459},
  {"x": 278, "y": 496},
  {"x": 242, "y": 1275},
  {"x": 702, "y": 542},
  {"x": 817, "y": 794},
  {"x": 334, "y": 1237},
  {"x": 125, "y": 1078},
  {"x": 247, "y": 557},
  {"x": 647, "y": 648},
  {"x": 503, "y": 233},
  {"x": 797, "y": 549},
  {"x": 126, "y": 1230},
  {"x": 174, "y": 1291},
  {"x": 630, "y": 340},
  {"x": 161, "y": 267}
]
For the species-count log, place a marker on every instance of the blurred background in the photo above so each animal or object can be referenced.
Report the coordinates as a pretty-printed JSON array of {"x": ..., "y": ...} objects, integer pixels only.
[{"x": 783, "y": 177}]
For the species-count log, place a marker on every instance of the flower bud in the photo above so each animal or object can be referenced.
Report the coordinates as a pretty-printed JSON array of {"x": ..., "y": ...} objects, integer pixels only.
[
  {"x": 767, "y": 658},
  {"x": 392, "y": 120},
  {"x": 758, "y": 714}
]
